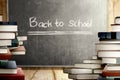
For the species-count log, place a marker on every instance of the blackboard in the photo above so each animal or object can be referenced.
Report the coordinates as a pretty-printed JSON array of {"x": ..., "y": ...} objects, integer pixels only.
[{"x": 60, "y": 32}]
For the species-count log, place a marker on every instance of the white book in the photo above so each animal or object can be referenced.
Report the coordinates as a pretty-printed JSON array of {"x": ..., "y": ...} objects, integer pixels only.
[
  {"x": 94, "y": 57},
  {"x": 117, "y": 20},
  {"x": 111, "y": 60},
  {"x": 84, "y": 76},
  {"x": 0, "y": 18},
  {"x": 97, "y": 71},
  {"x": 109, "y": 53},
  {"x": 92, "y": 61},
  {"x": 112, "y": 67},
  {"x": 7, "y": 35},
  {"x": 3, "y": 50},
  {"x": 78, "y": 71},
  {"x": 18, "y": 53},
  {"x": 20, "y": 43},
  {"x": 22, "y": 38},
  {"x": 8, "y": 71},
  {"x": 5, "y": 42},
  {"x": 115, "y": 27},
  {"x": 89, "y": 66},
  {"x": 110, "y": 41},
  {"x": 108, "y": 46},
  {"x": 20, "y": 50},
  {"x": 8, "y": 28}
]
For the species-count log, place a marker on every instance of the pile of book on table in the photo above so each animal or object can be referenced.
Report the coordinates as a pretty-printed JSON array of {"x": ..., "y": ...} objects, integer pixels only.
[
  {"x": 10, "y": 44},
  {"x": 88, "y": 70},
  {"x": 106, "y": 64},
  {"x": 110, "y": 51}
]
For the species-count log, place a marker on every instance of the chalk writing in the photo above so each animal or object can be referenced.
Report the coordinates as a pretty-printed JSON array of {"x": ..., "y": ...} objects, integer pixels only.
[{"x": 59, "y": 23}]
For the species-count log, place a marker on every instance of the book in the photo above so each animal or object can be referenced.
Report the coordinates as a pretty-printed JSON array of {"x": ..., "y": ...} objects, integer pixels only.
[
  {"x": 112, "y": 67},
  {"x": 7, "y": 35},
  {"x": 20, "y": 43},
  {"x": 107, "y": 46},
  {"x": 92, "y": 61},
  {"x": 3, "y": 50},
  {"x": 8, "y": 23},
  {"x": 77, "y": 71},
  {"x": 113, "y": 77},
  {"x": 117, "y": 20},
  {"x": 0, "y": 17},
  {"x": 110, "y": 41},
  {"x": 3, "y": 63},
  {"x": 15, "y": 43},
  {"x": 9, "y": 68},
  {"x": 111, "y": 70},
  {"x": 89, "y": 66},
  {"x": 115, "y": 27},
  {"x": 109, "y": 53},
  {"x": 108, "y": 78},
  {"x": 18, "y": 76},
  {"x": 6, "y": 56},
  {"x": 111, "y": 73},
  {"x": 111, "y": 60},
  {"x": 104, "y": 78},
  {"x": 97, "y": 71},
  {"x": 94, "y": 57},
  {"x": 8, "y": 28},
  {"x": 20, "y": 50},
  {"x": 108, "y": 36},
  {"x": 5, "y": 42},
  {"x": 84, "y": 76},
  {"x": 22, "y": 38}
]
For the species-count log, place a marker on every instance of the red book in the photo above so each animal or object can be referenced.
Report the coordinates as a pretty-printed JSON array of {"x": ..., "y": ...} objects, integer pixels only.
[
  {"x": 18, "y": 76},
  {"x": 6, "y": 56},
  {"x": 111, "y": 73}
]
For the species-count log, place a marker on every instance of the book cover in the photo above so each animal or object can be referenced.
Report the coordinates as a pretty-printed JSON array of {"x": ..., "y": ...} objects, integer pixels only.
[
  {"x": 19, "y": 76},
  {"x": 6, "y": 56},
  {"x": 20, "y": 50},
  {"x": 8, "y": 67}
]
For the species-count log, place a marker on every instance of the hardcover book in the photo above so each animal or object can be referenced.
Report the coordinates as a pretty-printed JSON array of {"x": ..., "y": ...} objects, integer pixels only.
[
  {"x": 19, "y": 76},
  {"x": 109, "y": 53},
  {"x": 78, "y": 71},
  {"x": 20, "y": 50},
  {"x": 84, "y": 76},
  {"x": 9, "y": 68},
  {"x": 108, "y": 36},
  {"x": 6, "y": 56},
  {"x": 107, "y": 46}
]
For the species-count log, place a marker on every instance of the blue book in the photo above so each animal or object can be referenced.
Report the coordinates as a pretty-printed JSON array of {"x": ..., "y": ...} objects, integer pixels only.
[
  {"x": 8, "y": 23},
  {"x": 108, "y": 36}
]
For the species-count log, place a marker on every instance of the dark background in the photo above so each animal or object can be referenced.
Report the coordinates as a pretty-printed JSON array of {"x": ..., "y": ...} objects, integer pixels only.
[{"x": 58, "y": 50}]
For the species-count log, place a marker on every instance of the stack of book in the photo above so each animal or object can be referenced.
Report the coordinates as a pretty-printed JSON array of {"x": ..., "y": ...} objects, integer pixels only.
[
  {"x": 106, "y": 64},
  {"x": 88, "y": 70},
  {"x": 10, "y": 44},
  {"x": 109, "y": 51}
]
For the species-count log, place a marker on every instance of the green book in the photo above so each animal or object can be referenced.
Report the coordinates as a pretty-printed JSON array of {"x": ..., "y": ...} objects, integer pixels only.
[
  {"x": 3, "y": 63},
  {"x": 15, "y": 43}
]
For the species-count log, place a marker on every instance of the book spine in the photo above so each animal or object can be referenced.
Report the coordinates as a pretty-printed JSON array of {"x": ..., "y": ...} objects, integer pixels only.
[
  {"x": 108, "y": 35},
  {"x": 3, "y": 63}
]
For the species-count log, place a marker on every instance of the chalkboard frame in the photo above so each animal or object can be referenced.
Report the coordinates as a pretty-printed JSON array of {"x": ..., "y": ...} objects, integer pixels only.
[{"x": 38, "y": 65}]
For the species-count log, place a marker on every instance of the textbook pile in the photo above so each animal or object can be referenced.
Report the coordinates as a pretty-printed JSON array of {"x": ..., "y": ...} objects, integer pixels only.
[
  {"x": 88, "y": 70},
  {"x": 104, "y": 66},
  {"x": 10, "y": 44},
  {"x": 109, "y": 47}
]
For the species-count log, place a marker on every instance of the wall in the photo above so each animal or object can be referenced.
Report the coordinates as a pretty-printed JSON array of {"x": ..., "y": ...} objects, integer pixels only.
[
  {"x": 113, "y": 11},
  {"x": 57, "y": 73}
]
